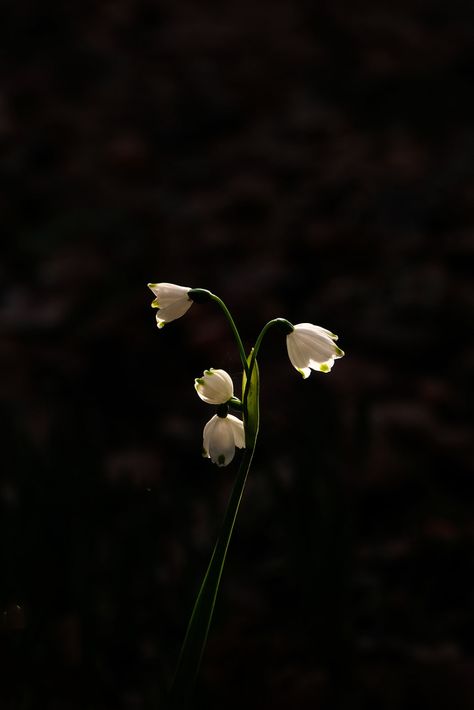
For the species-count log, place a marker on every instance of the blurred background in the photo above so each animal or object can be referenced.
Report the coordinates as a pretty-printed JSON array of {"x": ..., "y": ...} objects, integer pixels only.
[{"x": 306, "y": 160}]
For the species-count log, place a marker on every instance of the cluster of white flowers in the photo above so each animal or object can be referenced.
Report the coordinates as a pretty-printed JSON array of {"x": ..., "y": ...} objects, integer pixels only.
[{"x": 310, "y": 347}]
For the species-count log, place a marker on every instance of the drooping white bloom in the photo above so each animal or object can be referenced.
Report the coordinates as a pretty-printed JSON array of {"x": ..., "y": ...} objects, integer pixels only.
[
  {"x": 220, "y": 437},
  {"x": 311, "y": 347},
  {"x": 171, "y": 300},
  {"x": 215, "y": 386}
]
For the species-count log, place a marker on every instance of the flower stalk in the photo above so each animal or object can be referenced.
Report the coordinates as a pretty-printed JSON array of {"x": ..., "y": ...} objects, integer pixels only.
[
  {"x": 198, "y": 628},
  {"x": 201, "y": 295},
  {"x": 201, "y": 617},
  {"x": 309, "y": 347}
]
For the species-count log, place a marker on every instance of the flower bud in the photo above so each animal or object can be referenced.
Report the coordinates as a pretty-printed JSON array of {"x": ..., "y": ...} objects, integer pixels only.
[{"x": 215, "y": 386}]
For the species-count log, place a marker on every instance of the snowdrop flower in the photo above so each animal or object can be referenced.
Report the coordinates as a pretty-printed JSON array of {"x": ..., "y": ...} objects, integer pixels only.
[
  {"x": 220, "y": 437},
  {"x": 215, "y": 386},
  {"x": 171, "y": 300},
  {"x": 311, "y": 347}
]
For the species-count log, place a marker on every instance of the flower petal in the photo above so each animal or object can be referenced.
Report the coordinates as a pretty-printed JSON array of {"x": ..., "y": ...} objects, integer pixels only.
[
  {"x": 297, "y": 357},
  {"x": 237, "y": 426},
  {"x": 316, "y": 328},
  {"x": 220, "y": 437},
  {"x": 171, "y": 312},
  {"x": 166, "y": 294},
  {"x": 221, "y": 442},
  {"x": 207, "y": 435},
  {"x": 315, "y": 340}
]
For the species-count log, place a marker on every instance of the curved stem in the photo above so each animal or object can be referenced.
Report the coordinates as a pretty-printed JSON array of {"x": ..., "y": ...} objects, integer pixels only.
[
  {"x": 227, "y": 314},
  {"x": 198, "y": 627},
  {"x": 202, "y": 295},
  {"x": 281, "y": 322}
]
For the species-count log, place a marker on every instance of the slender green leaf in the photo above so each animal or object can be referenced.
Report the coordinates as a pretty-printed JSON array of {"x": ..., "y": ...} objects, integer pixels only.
[
  {"x": 198, "y": 627},
  {"x": 251, "y": 397}
]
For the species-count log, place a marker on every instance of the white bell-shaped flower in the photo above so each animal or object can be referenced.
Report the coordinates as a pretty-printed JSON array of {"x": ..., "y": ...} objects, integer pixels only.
[
  {"x": 220, "y": 437},
  {"x": 311, "y": 347},
  {"x": 171, "y": 300},
  {"x": 215, "y": 386}
]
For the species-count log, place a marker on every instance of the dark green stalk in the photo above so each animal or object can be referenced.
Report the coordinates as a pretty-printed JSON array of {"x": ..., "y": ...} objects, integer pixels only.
[
  {"x": 201, "y": 295},
  {"x": 284, "y": 325},
  {"x": 234, "y": 330},
  {"x": 198, "y": 627}
]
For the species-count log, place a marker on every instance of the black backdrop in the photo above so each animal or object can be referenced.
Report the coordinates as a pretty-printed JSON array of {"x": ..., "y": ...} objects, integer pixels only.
[{"x": 300, "y": 159}]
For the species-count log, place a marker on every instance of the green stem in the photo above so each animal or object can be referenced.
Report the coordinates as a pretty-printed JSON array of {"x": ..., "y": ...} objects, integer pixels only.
[
  {"x": 202, "y": 295},
  {"x": 201, "y": 617},
  {"x": 234, "y": 330},
  {"x": 280, "y": 322},
  {"x": 198, "y": 627}
]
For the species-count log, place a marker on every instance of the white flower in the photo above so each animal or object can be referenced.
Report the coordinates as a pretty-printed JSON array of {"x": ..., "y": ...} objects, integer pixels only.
[
  {"x": 311, "y": 347},
  {"x": 215, "y": 386},
  {"x": 173, "y": 302},
  {"x": 220, "y": 437}
]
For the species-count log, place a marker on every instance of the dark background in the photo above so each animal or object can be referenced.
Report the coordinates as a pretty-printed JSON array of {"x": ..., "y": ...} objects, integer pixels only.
[{"x": 300, "y": 159}]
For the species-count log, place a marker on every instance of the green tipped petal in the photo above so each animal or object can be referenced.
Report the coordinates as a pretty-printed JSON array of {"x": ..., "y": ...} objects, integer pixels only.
[{"x": 214, "y": 387}]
